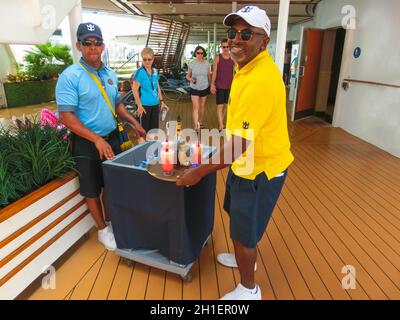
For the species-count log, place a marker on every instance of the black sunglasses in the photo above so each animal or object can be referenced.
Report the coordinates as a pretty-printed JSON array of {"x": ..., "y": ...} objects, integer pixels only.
[
  {"x": 225, "y": 47},
  {"x": 245, "y": 34},
  {"x": 96, "y": 43},
  {"x": 199, "y": 52}
]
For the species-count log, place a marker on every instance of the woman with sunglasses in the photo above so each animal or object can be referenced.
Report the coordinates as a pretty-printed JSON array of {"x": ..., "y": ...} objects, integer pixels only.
[
  {"x": 147, "y": 92},
  {"x": 199, "y": 76}
]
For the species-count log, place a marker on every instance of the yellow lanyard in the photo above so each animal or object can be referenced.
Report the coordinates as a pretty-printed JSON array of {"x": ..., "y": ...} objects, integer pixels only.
[{"x": 103, "y": 92}]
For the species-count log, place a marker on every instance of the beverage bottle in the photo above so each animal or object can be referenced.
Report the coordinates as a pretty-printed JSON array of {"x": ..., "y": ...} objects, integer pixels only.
[
  {"x": 178, "y": 126},
  {"x": 163, "y": 114},
  {"x": 196, "y": 150}
]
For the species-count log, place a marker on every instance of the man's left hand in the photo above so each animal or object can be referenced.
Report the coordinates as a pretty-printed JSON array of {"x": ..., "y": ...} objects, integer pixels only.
[
  {"x": 189, "y": 178},
  {"x": 164, "y": 106}
]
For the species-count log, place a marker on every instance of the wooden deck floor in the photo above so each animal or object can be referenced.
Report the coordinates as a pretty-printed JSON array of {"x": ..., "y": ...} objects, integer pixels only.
[{"x": 340, "y": 206}]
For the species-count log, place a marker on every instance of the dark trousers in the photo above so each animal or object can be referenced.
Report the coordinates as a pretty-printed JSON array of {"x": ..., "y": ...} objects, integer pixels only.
[
  {"x": 88, "y": 163},
  {"x": 150, "y": 118},
  {"x": 250, "y": 204}
]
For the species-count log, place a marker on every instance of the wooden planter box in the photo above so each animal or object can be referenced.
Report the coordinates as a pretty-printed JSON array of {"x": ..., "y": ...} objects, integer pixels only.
[
  {"x": 29, "y": 92},
  {"x": 37, "y": 229}
]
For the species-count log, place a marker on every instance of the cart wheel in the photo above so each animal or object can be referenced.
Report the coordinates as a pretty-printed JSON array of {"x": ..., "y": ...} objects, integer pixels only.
[
  {"x": 128, "y": 262},
  {"x": 187, "y": 277}
]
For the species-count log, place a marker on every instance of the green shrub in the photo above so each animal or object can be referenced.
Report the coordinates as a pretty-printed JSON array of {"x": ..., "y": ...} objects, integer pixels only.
[
  {"x": 35, "y": 82},
  {"x": 44, "y": 62},
  {"x": 29, "y": 159},
  {"x": 29, "y": 92},
  {"x": 19, "y": 76},
  {"x": 47, "y": 61}
]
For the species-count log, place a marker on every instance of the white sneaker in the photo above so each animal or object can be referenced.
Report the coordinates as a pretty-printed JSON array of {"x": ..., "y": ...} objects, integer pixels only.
[
  {"x": 109, "y": 224},
  {"x": 106, "y": 237},
  {"x": 229, "y": 260},
  {"x": 242, "y": 293}
]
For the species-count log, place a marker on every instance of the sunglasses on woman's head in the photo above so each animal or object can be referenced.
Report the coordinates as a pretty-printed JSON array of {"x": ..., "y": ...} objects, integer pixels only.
[
  {"x": 96, "y": 43},
  {"x": 199, "y": 52},
  {"x": 245, "y": 34}
]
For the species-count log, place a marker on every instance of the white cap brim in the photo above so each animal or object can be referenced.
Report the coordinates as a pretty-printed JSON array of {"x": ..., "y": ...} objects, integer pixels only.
[{"x": 229, "y": 19}]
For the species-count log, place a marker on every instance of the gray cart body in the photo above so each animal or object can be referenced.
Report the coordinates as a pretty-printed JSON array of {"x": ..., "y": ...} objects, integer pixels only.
[{"x": 155, "y": 222}]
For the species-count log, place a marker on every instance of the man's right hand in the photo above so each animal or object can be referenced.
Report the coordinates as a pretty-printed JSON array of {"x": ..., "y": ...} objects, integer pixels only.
[
  {"x": 213, "y": 89},
  {"x": 104, "y": 149},
  {"x": 139, "y": 132}
]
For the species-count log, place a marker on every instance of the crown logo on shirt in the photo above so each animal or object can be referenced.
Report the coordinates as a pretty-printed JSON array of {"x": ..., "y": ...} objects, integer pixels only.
[
  {"x": 90, "y": 27},
  {"x": 246, "y": 125}
]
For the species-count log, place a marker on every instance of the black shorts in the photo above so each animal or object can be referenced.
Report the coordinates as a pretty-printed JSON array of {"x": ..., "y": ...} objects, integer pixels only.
[
  {"x": 150, "y": 118},
  {"x": 222, "y": 96},
  {"x": 250, "y": 204},
  {"x": 200, "y": 93},
  {"x": 88, "y": 163}
]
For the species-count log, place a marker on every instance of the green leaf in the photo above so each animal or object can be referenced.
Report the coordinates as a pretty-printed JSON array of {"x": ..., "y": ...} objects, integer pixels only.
[{"x": 30, "y": 159}]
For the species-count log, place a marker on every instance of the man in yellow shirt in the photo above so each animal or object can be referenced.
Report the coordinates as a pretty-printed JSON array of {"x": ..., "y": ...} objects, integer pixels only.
[{"x": 258, "y": 143}]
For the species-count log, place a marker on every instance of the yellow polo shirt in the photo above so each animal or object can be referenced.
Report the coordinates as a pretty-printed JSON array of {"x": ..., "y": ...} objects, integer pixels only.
[{"x": 257, "y": 112}]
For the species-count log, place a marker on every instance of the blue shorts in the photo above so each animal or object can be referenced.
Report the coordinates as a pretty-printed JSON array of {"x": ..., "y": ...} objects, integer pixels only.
[{"x": 250, "y": 204}]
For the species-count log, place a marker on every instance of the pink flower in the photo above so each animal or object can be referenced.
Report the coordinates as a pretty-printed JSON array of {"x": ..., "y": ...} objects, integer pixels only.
[{"x": 48, "y": 117}]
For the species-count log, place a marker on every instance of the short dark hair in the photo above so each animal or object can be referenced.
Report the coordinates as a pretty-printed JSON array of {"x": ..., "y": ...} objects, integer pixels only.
[
  {"x": 224, "y": 40},
  {"x": 197, "y": 48}
]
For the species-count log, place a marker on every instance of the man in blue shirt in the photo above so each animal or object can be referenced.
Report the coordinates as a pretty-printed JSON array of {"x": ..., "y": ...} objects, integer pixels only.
[{"x": 84, "y": 110}]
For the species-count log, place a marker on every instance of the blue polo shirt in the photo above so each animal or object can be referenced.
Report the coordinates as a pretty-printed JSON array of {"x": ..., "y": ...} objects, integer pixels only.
[
  {"x": 148, "y": 86},
  {"x": 77, "y": 92}
]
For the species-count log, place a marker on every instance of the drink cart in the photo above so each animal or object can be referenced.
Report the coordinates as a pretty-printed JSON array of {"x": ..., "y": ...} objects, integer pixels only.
[{"x": 156, "y": 222}]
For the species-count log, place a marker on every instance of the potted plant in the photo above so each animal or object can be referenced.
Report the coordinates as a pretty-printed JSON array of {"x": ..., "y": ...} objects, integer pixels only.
[
  {"x": 41, "y": 211},
  {"x": 35, "y": 81}
]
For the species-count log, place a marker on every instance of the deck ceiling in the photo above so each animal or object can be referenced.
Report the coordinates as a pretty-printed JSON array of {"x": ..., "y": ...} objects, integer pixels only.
[{"x": 202, "y": 14}]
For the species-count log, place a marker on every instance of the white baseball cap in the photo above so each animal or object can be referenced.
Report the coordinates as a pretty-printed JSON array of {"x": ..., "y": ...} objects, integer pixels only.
[{"x": 253, "y": 15}]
